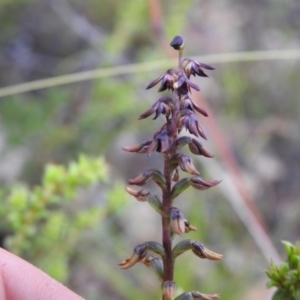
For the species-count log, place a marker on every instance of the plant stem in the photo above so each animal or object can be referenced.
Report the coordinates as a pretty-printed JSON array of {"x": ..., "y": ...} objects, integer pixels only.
[
  {"x": 167, "y": 239},
  {"x": 167, "y": 201}
]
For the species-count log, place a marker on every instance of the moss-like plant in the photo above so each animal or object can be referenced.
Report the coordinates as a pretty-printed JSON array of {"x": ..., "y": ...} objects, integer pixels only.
[
  {"x": 286, "y": 277},
  {"x": 179, "y": 111}
]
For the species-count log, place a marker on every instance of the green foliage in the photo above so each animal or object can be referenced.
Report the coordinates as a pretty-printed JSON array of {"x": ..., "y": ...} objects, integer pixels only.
[
  {"x": 176, "y": 16},
  {"x": 41, "y": 231},
  {"x": 130, "y": 22},
  {"x": 34, "y": 114},
  {"x": 286, "y": 277}
]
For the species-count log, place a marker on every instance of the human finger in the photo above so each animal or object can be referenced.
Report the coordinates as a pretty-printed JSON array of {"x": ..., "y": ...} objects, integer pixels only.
[{"x": 20, "y": 280}]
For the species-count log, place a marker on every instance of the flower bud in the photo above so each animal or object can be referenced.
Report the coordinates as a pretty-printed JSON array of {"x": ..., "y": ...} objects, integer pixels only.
[
  {"x": 199, "y": 183},
  {"x": 139, "y": 195},
  {"x": 177, "y": 43},
  {"x": 139, "y": 253},
  {"x": 177, "y": 221},
  {"x": 186, "y": 164},
  {"x": 201, "y": 251},
  {"x": 197, "y": 148},
  {"x": 139, "y": 148},
  {"x": 147, "y": 175},
  {"x": 142, "y": 178},
  {"x": 168, "y": 289}
]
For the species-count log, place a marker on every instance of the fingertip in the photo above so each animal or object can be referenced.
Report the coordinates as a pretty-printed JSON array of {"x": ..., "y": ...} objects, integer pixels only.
[{"x": 20, "y": 280}]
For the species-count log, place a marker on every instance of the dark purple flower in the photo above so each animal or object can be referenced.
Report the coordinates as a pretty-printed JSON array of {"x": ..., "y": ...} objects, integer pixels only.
[
  {"x": 162, "y": 142},
  {"x": 199, "y": 183},
  {"x": 193, "y": 67},
  {"x": 139, "y": 148},
  {"x": 167, "y": 80},
  {"x": 201, "y": 251},
  {"x": 177, "y": 221},
  {"x": 197, "y": 148},
  {"x": 183, "y": 85},
  {"x": 164, "y": 106},
  {"x": 187, "y": 118},
  {"x": 186, "y": 102},
  {"x": 186, "y": 164}
]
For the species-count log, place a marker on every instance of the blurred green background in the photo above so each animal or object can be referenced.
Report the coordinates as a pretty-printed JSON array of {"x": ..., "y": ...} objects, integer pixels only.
[{"x": 255, "y": 102}]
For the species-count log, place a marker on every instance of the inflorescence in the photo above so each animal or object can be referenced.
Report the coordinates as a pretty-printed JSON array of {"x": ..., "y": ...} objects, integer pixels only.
[{"x": 180, "y": 113}]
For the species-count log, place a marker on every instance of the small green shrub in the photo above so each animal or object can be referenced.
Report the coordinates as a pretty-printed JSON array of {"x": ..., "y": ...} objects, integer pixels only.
[
  {"x": 36, "y": 225},
  {"x": 286, "y": 277}
]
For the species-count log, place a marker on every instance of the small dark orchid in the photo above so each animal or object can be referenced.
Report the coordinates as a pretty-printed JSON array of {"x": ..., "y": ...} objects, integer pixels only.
[
  {"x": 177, "y": 221},
  {"x": 199, "y": 183},
  {"x": 193, "y": 67},
  {"x": 168, "y": 289},
  {"x": 187, "y": 102},
  {"x": 162, "y": 142},
  {"x": 164, "y": 105},
  {"x": 142, "y": 147},
  {"x": 183, "y": 85},
  {"x": 186, "y": 164},
  {"x": 197, "y": 148},
  {"x": 201, "y": 251},
  {"x": 190, "y": 122},
  {"x": 140, "y": 195},
  {"x": 167, "y": 80},
  {"x": 139, "y": 253}
]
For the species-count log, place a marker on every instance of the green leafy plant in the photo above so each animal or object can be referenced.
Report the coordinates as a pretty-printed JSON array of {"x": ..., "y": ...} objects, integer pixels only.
[
  {"x": 286, "y": 277},
  {"x": 179, "y": 112},
  {"x": 36, "y": 225}
]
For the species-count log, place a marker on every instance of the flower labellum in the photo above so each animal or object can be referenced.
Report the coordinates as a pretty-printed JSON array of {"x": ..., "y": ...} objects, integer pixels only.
[
  {"x": 139, "y": 253},
  {"x": 201, "y": 251},
  {"x": 169, "y": 289},
  {"x": 177, "y": 221}
]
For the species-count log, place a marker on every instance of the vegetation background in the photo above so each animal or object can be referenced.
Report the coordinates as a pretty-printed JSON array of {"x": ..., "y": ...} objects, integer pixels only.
[{"x": 253, "y": 130}]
